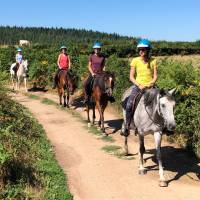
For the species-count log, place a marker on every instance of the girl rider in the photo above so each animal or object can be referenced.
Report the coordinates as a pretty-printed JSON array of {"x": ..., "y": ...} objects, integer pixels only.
[
  {"x": 143, "y": 74},
  {"x": 63, "y": 63}
]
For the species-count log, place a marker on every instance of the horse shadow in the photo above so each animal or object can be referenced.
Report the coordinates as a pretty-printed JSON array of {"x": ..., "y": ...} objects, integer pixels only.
[
  {"x": 176, "y": 160},
  {"x": 78, "y": 102},
  {"x": 114, "y": 124},
  {"x": 37, "y": 89}
]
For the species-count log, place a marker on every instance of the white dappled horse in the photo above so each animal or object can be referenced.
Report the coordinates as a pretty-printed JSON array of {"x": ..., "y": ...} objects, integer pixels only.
[{"x": 21, "y": 74}]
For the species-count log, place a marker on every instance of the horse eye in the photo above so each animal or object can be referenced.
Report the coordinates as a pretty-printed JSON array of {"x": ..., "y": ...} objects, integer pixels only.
[{"x": 163, "y": 105}]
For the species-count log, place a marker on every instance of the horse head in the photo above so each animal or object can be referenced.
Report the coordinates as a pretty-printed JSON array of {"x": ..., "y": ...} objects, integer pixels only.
[
  {"x": 25, "y": 65},
  {"x": 72, "y": 83},
  {"x": 166, "y": 109},
  {"x": 109, "y": 79},
  {"x": 160, "y": 104}
]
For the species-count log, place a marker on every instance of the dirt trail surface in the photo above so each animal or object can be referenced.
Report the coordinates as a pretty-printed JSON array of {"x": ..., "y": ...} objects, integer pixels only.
[{"x": 96, "y": 175}]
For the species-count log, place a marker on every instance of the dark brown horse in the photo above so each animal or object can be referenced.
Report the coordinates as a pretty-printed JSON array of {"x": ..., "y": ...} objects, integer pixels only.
[
  {"x": 67, "y": 83},
  {"x": 101, "y": 92}
]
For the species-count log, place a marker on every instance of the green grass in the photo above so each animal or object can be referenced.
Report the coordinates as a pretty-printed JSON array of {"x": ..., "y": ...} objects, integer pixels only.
[
  {"x": 108, "y": 138},
  {"x": 116, "y": 151},
  {"x": 48, "y": 101},
  {"x": 32, "y": 96},
  {"x": 112, "y": 149},
  {"x": 28, "y": 169}
]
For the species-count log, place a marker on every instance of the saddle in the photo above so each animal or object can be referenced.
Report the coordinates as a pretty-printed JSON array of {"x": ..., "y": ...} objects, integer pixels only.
[{"x": 135, "y": 103}]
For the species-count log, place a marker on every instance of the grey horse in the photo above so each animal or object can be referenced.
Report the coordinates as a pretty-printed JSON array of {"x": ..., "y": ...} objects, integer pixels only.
[
  {"x": 154, "y": 113},
  {"x": 21, "y": 74}
]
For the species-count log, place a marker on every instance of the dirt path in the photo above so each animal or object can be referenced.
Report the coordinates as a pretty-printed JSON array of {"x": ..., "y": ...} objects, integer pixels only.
[{"x": 95, "y": 175}]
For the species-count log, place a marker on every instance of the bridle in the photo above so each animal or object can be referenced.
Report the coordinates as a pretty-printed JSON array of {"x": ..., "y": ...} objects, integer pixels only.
[
  {"x": 108, "y": 87},
  {"x": 159, "y": 113}
]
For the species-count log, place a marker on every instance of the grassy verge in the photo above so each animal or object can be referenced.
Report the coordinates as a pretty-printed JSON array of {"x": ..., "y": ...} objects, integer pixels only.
[{"x": 28, "y": 169}]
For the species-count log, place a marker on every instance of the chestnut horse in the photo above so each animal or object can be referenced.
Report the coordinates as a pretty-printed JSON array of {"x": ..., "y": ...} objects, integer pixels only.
[
  {"x": 67, "y": 82},
  {"x": 101, "y": 92}
]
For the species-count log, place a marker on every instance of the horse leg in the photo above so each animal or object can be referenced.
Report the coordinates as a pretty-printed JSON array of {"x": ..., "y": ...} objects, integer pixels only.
[
  {"x": 126, "y": 145},
  {"x": 88, "y": 114},
  {"x": 64, "y": 97},
  {"x": 142, "y": 170},
  {"x": 25, "y": 84},
  {"x": 102, "y": 119},
  {"x": 13, "y": 84},
  {"x": 99, "y": 109},
  {"x": 93, "y": 116},
  {"x": 18, "y": 82},
  {"x": 67, "y": 99},
  {"x": 158, "y": 139},
  {"x": 60, "y": 96}
]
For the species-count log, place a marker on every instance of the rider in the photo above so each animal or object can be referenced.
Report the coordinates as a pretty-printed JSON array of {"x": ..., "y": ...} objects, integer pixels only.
[
  {"x": 143, "y": 74},
  {"x": 18, "y": 59},
  {"x": 96, "y": 66},
  {"x": 63, "y": 63}
]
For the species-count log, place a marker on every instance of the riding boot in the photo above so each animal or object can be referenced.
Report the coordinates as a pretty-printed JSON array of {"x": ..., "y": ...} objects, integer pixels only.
[
  {"x": 129, "y": 109},
  {"x": 88, "y": 89}
]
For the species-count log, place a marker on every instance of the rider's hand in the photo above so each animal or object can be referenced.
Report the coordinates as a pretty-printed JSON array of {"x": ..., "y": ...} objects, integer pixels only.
[
  {"x": 142, "y": 87},
  {"x": 93, "y": 74},
  {"x": 151, "y": 84}
]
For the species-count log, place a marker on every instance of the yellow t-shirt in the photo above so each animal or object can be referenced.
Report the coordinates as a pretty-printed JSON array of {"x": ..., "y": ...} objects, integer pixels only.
[{"x": 144, "y": 71}]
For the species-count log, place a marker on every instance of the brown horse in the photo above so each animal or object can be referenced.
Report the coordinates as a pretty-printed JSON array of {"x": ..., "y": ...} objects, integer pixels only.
[
  {"x": 67, "y": 82},
  {"x": 101, "y": 92}
]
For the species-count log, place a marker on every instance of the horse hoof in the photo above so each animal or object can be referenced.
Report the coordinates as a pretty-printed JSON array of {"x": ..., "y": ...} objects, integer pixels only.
[
  {"x": 126, "y": 151},
  {"x": 89, "y": 125},
  {"x": 163, "y": 183},
  {"x": 105, "y": 134},
  {"x": 142, "y": 171}
]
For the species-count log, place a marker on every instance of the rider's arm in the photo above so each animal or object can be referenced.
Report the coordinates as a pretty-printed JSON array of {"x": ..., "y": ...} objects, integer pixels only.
[
  {"x": 58, "y": 61},
  {"x": 103, "y": 64},
  {"x": 133, "y": 80},
  {"x": 90, "y": 68},
  {"x": 69, "y": 62},
  {"x": 155, "y": 75}
]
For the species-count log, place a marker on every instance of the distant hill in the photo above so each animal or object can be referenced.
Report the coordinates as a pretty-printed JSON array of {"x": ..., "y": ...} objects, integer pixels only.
[
  {"x": 122, "y": 46},
  {"x": 11, "y": 35}
]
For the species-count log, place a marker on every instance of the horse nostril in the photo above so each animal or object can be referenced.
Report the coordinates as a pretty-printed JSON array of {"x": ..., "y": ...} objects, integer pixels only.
[{"x": 172, "y": 126}]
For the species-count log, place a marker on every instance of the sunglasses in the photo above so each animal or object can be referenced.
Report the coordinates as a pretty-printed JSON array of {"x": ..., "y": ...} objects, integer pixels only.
[{"x": 142, "y": 49}]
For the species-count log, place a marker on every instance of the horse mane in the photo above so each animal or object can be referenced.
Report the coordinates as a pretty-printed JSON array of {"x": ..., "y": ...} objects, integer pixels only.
[
  {"x": 150, "y": 96},
  {"x": 100, "y": 79}
]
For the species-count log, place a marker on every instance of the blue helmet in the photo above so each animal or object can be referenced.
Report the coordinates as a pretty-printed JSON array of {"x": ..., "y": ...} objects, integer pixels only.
[
  {"x": 144, "y": 43},
  {"x": 63, "y": 47},
  {"x": 97, "y": 45},
  {"x": 19, "y": 50}
]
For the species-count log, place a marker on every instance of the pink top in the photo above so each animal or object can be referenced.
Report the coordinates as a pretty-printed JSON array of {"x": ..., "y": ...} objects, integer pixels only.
[{"x": 64, "y": 61}]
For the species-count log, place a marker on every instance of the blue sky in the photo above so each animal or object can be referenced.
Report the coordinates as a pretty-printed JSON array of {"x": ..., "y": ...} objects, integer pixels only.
[{"x": 175, "y": 20}]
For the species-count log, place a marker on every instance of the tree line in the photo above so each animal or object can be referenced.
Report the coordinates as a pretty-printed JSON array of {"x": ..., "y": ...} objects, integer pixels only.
[{"x": 122, "y": 46}]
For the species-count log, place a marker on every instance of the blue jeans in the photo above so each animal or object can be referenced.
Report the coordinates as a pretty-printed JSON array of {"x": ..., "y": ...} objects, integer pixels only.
[{"x": 129, "y": 105}]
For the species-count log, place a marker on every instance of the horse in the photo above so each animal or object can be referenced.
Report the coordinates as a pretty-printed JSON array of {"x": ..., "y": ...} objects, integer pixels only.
[
  {"x": 153, "y": 115},
  {"x": 67, "y": 82},
  {"x": 20, "y": 74},
  {"x": 102, "y": 90}
]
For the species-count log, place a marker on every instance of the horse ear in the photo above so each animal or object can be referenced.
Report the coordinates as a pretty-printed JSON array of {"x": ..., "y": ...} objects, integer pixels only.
[
  {"x": 171, "y": 92},
  {"x": 162, "y": 92}
]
